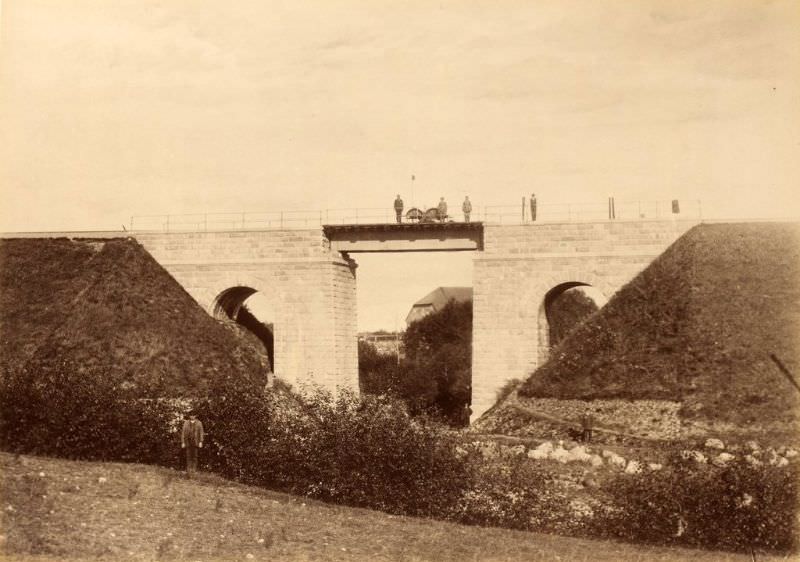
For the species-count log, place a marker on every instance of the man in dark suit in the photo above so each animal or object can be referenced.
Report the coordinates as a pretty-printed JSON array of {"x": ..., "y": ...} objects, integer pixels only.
[{"x": 191, "y": 441}]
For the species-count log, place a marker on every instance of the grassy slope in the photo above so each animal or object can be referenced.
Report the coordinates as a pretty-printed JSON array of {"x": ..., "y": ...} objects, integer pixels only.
[
  {"x": 109, "y": 307},
  {"x": 61, "y": 510},
  {"x": 697, "y": 325}
]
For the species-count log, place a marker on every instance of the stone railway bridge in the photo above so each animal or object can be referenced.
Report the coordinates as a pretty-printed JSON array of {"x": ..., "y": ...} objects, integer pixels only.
[{"x": 309, "y": 278}]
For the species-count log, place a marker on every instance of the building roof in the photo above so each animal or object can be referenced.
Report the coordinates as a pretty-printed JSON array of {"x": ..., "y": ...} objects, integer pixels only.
[{"x": 436, "y": 300}]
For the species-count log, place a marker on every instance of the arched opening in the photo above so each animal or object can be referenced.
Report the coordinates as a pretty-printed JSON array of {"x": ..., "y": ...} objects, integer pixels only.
[
  {"x": 563, "y": 309},
  {"x": 252, "y": 311}
]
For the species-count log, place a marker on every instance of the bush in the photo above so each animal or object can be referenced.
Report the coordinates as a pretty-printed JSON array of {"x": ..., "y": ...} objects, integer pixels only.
[
  {"x": 739, "y": 507},
  {"x": 58, "y": 410},
  {"x": 361, "y": 452},
  {"x": 510, "y": 492}
]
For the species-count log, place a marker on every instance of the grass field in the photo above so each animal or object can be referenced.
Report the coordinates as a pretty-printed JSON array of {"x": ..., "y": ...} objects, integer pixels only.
[{"x": 65, "y": 510}]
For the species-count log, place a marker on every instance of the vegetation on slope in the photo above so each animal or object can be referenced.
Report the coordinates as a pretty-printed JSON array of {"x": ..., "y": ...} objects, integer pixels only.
[
  {"x": 106, "y": 306},
  {"x": 698, "y": 325},
  {"x": 567, "y": 311}
]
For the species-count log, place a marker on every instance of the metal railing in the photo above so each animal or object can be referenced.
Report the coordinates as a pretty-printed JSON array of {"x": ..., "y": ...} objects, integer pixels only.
[{"x": 494, "y": 214}]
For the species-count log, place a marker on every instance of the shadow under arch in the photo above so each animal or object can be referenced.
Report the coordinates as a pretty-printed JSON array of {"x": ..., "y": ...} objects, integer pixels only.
[
  {"x": 229, "y": 302},
  {"x": 546, "y": 313},
  {"x": 229, "y": 306}
]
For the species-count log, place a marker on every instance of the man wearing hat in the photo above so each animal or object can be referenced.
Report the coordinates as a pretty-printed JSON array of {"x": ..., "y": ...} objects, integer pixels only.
[{"x": 192, "y": 440}]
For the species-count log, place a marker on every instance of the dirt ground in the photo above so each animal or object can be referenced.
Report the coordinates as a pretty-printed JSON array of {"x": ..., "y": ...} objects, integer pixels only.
[{"x": 64, "y": 510}]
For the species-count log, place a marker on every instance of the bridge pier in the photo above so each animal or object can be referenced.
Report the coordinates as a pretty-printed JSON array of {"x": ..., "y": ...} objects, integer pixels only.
[{"x": 311, "y": 291}]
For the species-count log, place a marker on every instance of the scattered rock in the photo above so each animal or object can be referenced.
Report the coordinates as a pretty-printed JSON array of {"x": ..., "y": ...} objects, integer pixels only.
[
  {"x": 790, "y": 453},
  {"x": 102, "y": 480},
  {"x": 517, "y": 450},
  {"x": 714, "y": 443},
  {"x": 633, "y": 467},
  {"x": 655, "y": 466},
  {"x": 753, "y": 446},
  {"x": 723, "y": 459},
  {"x": 614, "y": 459},
  {"x": 559, "y": 454},
  {"x": 589, "y": 482},
  {"x": 542, "y": 451},
  {"x": 752, "y": 461},
  {"x": 696, "y": 456}
]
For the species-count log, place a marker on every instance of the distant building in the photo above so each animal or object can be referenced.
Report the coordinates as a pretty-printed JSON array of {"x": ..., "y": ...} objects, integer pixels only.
[
  {"x": 435, "y": 300},
  {"x": 385, "y": 342}
]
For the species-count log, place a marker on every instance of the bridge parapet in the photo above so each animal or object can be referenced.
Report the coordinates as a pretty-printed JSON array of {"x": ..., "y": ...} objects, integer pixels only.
[{"x": 409, "y": 237}]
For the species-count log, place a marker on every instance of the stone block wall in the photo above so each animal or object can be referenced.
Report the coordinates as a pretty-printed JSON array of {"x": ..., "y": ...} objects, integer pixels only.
[
  {"x": 520, "y": 264},
  {"x": 310, "y": 289}
]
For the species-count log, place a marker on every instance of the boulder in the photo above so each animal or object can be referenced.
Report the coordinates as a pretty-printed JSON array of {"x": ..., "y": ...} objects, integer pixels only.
[
  {"x": 542, "y": 451},
  {"x": 722, "y": 459},
  {"x": 614, "y": 459},
  {"x": 633, "y": 467},
  {"x": 714, "y": 443}
]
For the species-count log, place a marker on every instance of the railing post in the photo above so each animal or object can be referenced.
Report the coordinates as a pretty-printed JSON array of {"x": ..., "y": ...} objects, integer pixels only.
[{"x": 131, "y": 222}]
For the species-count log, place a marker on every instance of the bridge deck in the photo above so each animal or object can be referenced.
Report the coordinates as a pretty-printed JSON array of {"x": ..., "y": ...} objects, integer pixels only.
[{"x": 406, "y": 237}]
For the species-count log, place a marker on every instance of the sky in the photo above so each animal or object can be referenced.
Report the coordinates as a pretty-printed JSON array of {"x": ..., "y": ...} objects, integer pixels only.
[{"x": 135, "y": 107}]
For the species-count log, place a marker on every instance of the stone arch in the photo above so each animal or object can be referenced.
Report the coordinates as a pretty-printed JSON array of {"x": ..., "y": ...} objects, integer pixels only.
[
  {"x": 554, "y": 288},
  {"x": 228, "y": 305}
]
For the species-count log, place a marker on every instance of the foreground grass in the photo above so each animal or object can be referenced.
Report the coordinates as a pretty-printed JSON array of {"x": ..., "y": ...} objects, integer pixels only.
[{"x": 64, "y": 510}]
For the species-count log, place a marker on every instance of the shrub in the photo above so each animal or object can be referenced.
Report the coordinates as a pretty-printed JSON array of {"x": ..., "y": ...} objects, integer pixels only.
[
  {"x": 58, "y": 410},
  {"x": 510, "y": 492},
  {"x": 739, "y": 507},
  {"x": 363, "y": 452}
]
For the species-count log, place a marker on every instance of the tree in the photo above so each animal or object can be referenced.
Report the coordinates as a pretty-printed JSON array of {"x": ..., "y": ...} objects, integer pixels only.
[
  {"x": 377, "y": 372},
  {"x": 437, "y": 368}
]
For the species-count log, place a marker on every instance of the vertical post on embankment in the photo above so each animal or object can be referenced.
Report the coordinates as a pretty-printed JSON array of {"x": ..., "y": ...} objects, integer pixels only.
[{"x": 785, "y": 371}]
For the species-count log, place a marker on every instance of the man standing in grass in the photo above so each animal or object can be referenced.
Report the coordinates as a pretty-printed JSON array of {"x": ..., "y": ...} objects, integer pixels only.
[{"x": 192, "y": 440}]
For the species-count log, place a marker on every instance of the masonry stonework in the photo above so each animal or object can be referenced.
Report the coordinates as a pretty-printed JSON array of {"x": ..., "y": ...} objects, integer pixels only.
[
  {"x": 520, "y": 264},
  {"x": 311, "y": 291}
]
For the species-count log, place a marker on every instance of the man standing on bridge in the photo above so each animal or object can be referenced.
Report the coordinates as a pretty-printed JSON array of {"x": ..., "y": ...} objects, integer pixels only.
[
  {"x": 398, "y": 208},
  {"x": 466, "y": 208},
  {"x": 442, "y": 209}
]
